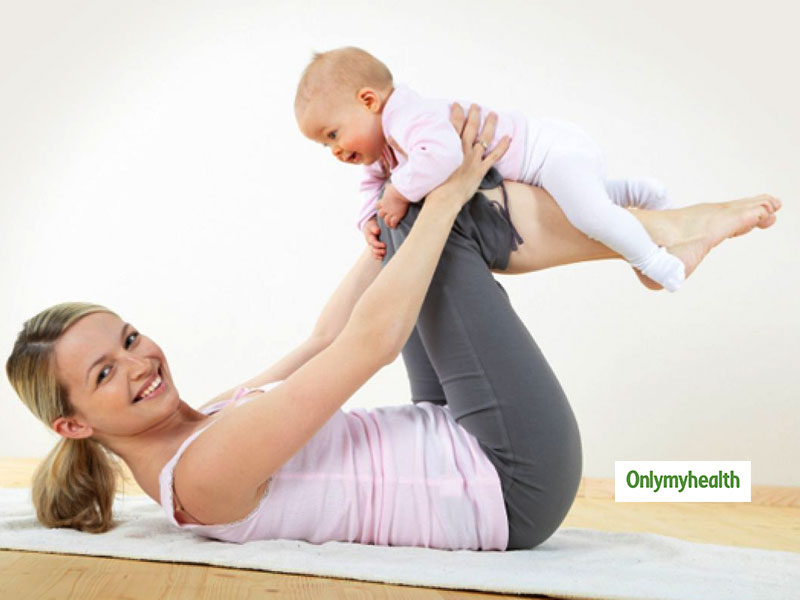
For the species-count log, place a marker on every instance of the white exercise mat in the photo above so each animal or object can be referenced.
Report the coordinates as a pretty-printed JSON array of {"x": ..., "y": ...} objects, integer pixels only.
[{"x": 573, "y": 563}]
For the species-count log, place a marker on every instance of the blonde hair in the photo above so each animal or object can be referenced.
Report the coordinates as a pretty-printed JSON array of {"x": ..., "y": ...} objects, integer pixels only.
[
  {"x": 343, "y": 70},
  {"x": 74, "y": 485}
]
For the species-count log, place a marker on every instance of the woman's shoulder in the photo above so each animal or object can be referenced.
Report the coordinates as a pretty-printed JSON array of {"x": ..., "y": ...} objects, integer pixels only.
[
  {"x": 232, "y": 395},
  {"x": 187, "y": 474}
]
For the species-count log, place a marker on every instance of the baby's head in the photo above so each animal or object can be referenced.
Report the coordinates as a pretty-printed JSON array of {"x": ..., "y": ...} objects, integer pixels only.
[{"x": 339, "y": 102}]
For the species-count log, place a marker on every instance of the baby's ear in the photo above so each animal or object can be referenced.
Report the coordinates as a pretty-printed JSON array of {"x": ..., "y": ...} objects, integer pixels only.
[{"x": 370, "y": 99}]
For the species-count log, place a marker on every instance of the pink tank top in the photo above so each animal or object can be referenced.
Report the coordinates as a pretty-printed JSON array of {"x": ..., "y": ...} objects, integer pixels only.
[{"x": 396, "y": 475}]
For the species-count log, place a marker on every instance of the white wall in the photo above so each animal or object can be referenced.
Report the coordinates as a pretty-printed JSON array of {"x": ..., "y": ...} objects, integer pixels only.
[{"x": 149, "y": 161}]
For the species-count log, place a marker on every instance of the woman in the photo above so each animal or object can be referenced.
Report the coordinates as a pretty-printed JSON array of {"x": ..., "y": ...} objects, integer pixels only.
[{"x": 497, "y": 468}]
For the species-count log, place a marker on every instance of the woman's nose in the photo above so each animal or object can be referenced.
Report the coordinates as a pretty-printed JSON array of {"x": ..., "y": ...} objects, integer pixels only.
[{"x": 139, "y": 366}]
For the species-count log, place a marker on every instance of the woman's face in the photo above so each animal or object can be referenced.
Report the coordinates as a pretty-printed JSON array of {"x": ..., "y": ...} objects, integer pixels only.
[{"x": 108, "y": 368}]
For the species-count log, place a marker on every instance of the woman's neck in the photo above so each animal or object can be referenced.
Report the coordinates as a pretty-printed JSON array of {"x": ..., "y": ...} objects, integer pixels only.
[{"x": 148, "y": 452}]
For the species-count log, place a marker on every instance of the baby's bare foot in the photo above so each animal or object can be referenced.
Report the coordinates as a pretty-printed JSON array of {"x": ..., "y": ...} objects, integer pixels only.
[{"x": 713, "y": 223}]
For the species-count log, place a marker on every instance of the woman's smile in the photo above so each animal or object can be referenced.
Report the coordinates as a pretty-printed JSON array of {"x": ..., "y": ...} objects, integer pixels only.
[{"x": 153, "y": 389}]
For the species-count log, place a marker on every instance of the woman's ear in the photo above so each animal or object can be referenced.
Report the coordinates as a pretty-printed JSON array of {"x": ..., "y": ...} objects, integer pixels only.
[
  {"x": 370, "y": 99},
  {"x": 69, "y": 427}
]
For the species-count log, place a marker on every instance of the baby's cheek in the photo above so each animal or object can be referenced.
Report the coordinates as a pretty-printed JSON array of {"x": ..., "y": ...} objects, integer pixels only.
[{"x": 371, "y": 143}]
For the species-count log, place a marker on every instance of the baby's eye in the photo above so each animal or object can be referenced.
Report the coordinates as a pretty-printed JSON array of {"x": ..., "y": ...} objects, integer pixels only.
[{"x": 332, "y": 135}]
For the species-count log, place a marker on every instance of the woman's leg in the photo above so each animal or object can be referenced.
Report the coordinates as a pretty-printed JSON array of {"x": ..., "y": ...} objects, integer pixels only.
[
  {"x": 689, "y": 233},
  {"x": 422, "y": 377},
  {"x": 497, "y": 383}
]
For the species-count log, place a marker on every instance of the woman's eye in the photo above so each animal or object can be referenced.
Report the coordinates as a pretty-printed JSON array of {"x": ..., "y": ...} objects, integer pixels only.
[
  {"x": 101, "y": 375},
  {"x": 134, "y": 335}
]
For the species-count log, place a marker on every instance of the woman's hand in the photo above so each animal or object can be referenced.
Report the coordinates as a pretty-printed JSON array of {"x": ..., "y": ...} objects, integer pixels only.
[{"x": 464, "y": 181}]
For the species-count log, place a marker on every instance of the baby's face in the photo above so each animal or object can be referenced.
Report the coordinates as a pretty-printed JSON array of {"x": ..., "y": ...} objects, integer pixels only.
[{"x": 352, "y": 131}]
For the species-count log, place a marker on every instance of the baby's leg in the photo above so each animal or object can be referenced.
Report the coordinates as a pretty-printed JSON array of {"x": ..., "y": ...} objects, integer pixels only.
[
  {"x": 689, "y": 233},
  {"x": 638, "y": 193},
  {"x": 576, "y": 183}
]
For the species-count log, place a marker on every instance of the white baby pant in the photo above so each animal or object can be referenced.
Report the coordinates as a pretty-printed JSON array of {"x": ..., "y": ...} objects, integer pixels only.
[{"x": 564, "y": 160}]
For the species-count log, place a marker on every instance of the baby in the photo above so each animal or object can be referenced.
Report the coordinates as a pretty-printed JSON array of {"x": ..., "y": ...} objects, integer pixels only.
[{"x": 347, "y": 100}]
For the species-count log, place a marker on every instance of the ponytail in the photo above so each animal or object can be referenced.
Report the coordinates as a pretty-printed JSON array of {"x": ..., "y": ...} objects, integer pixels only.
[{"x": 75, "y": 485}]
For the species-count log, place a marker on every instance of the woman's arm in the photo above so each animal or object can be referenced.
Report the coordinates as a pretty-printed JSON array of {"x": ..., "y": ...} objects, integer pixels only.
[
  {"x": 261, "y": 435},
  {"x": 330, "y": 323}
]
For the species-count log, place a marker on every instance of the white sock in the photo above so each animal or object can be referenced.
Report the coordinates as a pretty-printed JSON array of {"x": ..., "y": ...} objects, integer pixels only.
[
  {"x": 638, "y": 193},
  {"x": 663, "y": 268}
]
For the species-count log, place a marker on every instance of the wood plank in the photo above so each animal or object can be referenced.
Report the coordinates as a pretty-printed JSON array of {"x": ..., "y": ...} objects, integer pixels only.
[{"x": 42, "y": 576}]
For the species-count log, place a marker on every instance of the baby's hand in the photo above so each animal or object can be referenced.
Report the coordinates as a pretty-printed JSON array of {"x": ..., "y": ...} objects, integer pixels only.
[
  {"x": 371, "y": 233},
  {"x": 392, "y": 207}
]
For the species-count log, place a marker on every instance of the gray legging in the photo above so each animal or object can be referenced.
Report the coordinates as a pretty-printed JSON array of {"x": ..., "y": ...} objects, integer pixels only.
[{"x": 469, "y": 350}]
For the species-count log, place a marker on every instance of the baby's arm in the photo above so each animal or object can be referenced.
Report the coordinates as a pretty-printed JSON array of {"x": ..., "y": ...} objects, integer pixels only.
[
  {"x": 433, "y": 149},
  {"x": 392, "y": 207},
  {"x": 372, "y": 184},
  {"x": 372, "y": 233}
]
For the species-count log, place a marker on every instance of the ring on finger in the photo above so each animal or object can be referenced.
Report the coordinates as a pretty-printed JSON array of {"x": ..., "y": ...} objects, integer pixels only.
[{"x": 484, "y": 144}]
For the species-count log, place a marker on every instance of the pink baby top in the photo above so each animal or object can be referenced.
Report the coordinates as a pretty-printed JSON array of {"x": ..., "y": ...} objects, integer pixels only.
[
  {"x": 422, "y": 128},
  {"x": 397, "y": 475}
]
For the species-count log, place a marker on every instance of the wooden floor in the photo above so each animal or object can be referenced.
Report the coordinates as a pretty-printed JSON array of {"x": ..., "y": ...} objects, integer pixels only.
[{"x": 770, "y": 521}]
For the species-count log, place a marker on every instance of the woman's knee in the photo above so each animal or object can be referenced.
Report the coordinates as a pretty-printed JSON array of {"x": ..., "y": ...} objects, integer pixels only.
[{"x": 480, "y": 234}]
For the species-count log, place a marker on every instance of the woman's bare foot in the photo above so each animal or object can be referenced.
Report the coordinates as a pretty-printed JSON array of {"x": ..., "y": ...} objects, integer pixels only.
[
  {"x": 704, "y": 226},
  {"x": 647, "y": 282}
]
